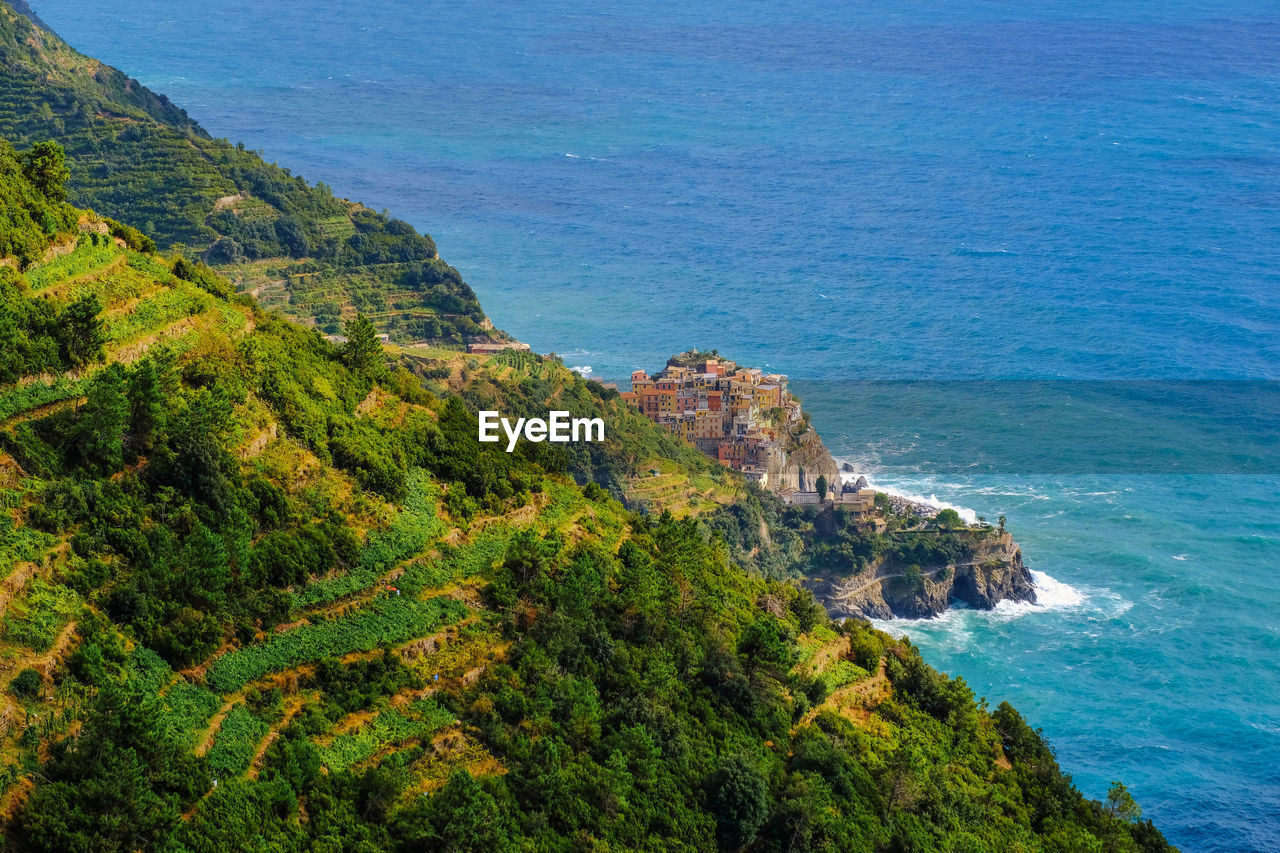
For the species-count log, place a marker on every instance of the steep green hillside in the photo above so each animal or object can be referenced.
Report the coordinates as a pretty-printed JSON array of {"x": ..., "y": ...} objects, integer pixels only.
[
  {"x": 260, "y": 592},
  {"x": 139, "y": 158}
]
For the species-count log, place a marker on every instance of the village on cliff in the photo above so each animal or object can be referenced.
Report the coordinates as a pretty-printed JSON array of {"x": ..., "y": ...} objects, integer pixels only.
[{"x": 745, "y": 418}]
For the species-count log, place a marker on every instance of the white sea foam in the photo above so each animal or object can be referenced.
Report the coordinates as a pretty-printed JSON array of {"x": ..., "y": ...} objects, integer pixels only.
[
  {"x": 1181, "y": 557},
  {"x": 1052, "y": 593},
  {"x": 969, "y": 515},
  {"x": 583, "y": 370}
]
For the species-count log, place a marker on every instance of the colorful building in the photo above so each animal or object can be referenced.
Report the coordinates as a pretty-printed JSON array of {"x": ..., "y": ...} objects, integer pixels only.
[{"x": 733, "y": 414}]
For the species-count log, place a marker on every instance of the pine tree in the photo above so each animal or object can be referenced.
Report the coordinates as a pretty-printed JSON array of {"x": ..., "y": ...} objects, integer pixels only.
[
  {"x": 103, "y": 420},
  {"x": 363, "y": 349},
  {"x": 81, "y": 332},
  {"x": 146, "y": 405},
  {"x": 46, "y": 167}
]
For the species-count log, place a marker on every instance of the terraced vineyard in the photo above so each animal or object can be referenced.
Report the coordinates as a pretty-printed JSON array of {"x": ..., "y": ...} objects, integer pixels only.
[
  {"x": 137, "y": 157},
  {"x": 389, "y": 620},
  {"x": 262, "y": 592},
  {"x": 391, "y": 727},
  {"x": 407, "y": 587}
]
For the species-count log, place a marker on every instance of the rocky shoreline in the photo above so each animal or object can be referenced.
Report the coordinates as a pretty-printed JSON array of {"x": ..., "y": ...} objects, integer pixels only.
[{"x": 992, "y": 571}]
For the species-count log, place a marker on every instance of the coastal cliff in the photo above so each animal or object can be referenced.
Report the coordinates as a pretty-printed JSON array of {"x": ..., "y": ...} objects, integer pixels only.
[
  {"x": 803, "y": 459},
  {"x": 990, "y": 570}
]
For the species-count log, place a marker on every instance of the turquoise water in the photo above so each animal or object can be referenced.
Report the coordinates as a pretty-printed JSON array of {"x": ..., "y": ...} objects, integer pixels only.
[{"x": 851, "y": 191}]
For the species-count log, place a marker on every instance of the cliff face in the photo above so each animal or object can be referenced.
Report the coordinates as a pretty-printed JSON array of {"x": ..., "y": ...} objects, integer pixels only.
[
  {"x": 994, "y": 572},
  {"x": 802, "y": 462}
]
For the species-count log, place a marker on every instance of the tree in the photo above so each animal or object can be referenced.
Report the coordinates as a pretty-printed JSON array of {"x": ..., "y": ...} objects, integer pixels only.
[
  {"x": 183, "y": 268},
  {"x": 118, "y": 785},
  {"x": 1120, "y": 803},
  {"x": 767, "y": 642},
  {"x": 45, "y": 165},
  {"x": 822, "y": 487},
  {"x": 80, "y": 331},
  {"x": 102, "y": 421},
  {"x": 949, "y": 519},
  {"x": 739, "y": 801},
  {"x": 146, "y": 404},
  {"x": 26, "y": 684},
  {"x": 225, "y": 250},
  {"x": 913, "y": 579},
  {"x": 292, "y": 236},
  {"x": 363, "y": 349},
  {"x": 463, "y": 816}
]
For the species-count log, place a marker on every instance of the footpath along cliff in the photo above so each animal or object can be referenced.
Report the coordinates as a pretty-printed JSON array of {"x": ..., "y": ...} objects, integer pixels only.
[{"x": 988, "y": 571}]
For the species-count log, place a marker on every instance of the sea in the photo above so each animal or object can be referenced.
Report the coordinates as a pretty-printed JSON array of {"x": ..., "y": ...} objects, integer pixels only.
[{"x": 1018, "y": 258}]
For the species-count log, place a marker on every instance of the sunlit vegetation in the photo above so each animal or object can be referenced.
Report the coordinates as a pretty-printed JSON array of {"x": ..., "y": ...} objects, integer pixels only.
[
  {"x": 236, "y": 742},
  {"x": 393, "y": 619},
  {"x": 270, "y": 593},
  {"x": 388, "y": 728},
  {"x": 136, "y": 157}
]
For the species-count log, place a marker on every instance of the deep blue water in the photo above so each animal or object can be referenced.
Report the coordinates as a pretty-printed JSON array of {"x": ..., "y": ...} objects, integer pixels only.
[{"x": 844, "y": 191}]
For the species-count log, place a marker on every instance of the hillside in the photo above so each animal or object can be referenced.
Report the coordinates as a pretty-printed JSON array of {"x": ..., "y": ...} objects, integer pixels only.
[
  {"x": 261, "y": 592},
  {"x": 139, "y": 158}
]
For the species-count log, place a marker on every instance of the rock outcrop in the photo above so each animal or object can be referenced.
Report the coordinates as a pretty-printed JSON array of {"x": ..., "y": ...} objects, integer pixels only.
[
  {"x": 992, "y": 573},
  {"x": 802, "y": 461}
]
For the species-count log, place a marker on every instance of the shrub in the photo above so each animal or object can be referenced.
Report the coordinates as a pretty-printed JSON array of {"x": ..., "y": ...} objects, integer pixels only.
[{"x": 26, "y": 684}]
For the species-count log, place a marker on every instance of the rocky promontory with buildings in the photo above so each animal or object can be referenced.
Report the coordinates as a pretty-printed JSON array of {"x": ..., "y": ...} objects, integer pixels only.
[
  {"x": 742, "y": 416},
  {"x": 920, "y": 560}
]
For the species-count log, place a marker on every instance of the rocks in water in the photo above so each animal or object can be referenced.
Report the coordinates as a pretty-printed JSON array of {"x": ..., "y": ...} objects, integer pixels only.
[
  {"x": 1001, "y": 578},
  {"x": 847, "y": 468}
]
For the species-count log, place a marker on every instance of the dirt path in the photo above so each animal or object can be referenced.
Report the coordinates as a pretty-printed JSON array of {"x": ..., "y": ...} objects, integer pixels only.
[
  {"x": 855, "y": 701},
  {"x": 836, "y": 649},
  {"x": 40, "y": 411},
  {"x": 846, "y": 593},
  {"x": 215, "y": 724},
  {"x": 45, "y": 662}
]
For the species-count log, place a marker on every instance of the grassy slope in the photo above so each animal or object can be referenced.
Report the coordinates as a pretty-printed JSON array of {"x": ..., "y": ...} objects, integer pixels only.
[
  {"x": 140, "y": 158},
  {"x": 482, "y": 578}
]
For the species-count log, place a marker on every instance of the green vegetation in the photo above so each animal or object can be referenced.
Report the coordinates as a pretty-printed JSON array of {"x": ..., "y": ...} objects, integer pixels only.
[
  {"x": 393, "y": 619},
  {"x": 26, "y": 684},
  {"x": 39, "y": 337},
  {"x": 314, "y": 541},
  {"x": 236, "y": 742},
  {"x": 415, "y": 527},
  {"x": 31, "y": 214},
  {"x": 388, "y": 728},
  {"x": 190, "y": 707},
  {"x": 15, "y": 399},
  {"x": 167, "y": 307},
  {"x": 807, "y": 539},
  {"x": 36, "y": 620},
  {"x": 89, "y": 255},
  {"x": 134, "y": 156}
]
